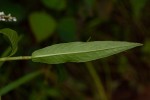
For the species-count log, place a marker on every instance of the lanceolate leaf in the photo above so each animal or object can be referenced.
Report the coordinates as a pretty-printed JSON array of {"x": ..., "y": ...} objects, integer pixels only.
[
  {"x": 13, "y": 38},
  {"x": 80, "y": 51}
]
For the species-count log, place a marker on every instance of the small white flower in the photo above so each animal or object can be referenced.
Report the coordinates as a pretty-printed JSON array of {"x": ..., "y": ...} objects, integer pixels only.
[
  {"x": 3, "y": 19},
  {"x": 8, "y": 17},
  {"x": 2, "y": 13},
  {"x": 14, "y": 19}
]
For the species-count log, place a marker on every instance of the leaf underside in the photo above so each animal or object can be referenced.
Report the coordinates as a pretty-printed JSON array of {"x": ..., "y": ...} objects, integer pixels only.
[{"x": 80, "y": 51}]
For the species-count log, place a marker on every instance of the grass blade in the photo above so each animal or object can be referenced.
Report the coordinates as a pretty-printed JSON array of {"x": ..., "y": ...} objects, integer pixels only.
[{"x": 19, "y": 82}]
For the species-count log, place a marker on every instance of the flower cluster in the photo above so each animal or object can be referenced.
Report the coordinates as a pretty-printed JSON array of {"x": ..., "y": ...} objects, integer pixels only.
[{"x": 8, "y": 17}]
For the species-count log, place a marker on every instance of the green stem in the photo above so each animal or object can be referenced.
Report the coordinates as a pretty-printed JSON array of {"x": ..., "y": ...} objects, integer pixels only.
[
  {"x": 15, "y": 58},
  {"x": 97, "y": 81}
]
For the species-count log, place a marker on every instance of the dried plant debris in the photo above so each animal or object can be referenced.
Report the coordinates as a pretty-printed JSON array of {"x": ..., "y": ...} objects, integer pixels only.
[{"x": 6, "y": 18}]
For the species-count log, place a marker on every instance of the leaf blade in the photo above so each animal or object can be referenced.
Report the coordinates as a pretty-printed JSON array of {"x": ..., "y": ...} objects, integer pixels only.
[
  {"x": 13, "y": 38},
  {"x": 80, "y": 51},
  {"x": 42, "y": 24},
  {"x": 53, "y": 4}
]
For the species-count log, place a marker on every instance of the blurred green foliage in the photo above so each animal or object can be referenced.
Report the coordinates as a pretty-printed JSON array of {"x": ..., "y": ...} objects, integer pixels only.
[
  {"x": 55, "y": 4},
  {"x": 45, "y": 22},
  {"x": 42, "y": 24},
  {"x": 67, "y": 34}
]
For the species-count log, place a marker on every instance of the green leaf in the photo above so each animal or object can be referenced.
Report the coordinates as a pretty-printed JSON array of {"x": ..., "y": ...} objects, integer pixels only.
[
  {"x": 67, "y": 29},
  {"x": 80, "y": 51},
  {"x": 19, "y": 82},
  {"x": 42, "y": 25},
  {"x": 13, "y": 38},
  {"x": 137, "y": 7},
  {"x": 55, "y": 4},
  {"x": 4, "y": 54}
]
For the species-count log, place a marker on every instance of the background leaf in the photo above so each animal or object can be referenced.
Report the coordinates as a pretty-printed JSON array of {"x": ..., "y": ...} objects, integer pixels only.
[
  {"x": 13, "y": 38},
  {"x": 67, "y": 29},
  {"x": 42, "y": 25},
  {"x": 137, "y": 7},
  {"x": 80, "y": 51},
  {"x": 5, "y": 54},
  {"x": 55, "y": 4}
]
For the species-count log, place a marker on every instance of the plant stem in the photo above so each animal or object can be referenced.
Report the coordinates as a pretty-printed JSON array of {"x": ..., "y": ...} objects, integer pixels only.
[
  {"x": 97, "y": 81},
  {"x": 6, "y": 53},
  {"x": 15, "y": 58}
]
